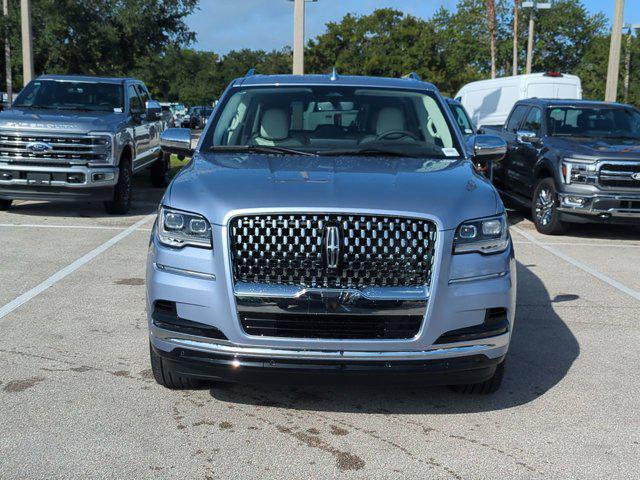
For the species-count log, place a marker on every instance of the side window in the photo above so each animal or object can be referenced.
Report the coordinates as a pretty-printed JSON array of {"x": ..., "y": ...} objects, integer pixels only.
[
  {"x": 516, "y": 118},
  {"x": 143, "y": 94},
  {"x": 135, "y": 105},
  {"x": 533, "y": 121}
]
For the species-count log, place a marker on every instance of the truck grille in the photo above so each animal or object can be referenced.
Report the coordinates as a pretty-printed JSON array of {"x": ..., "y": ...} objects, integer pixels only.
[
  {"x": 332, "y": 251},
  {"x": 53, "y": 150},
  {"x": 619, "y": 175},
  {"x": 331, "y": 326}
]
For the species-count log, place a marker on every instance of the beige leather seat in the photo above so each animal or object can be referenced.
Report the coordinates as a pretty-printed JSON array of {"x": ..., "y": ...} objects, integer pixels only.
[
  {"x": 389, "y": 119},
  {"x": 274, "y": 129}
]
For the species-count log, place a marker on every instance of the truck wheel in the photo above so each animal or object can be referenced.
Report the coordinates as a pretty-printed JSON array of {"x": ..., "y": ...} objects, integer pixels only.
[
  {"x": 544, "y": 208},
  {"x": 122, "y": 192},
  {"x": 160, "y": 171},
  {"x": 5, "y": 204},
  {"x": 491, "y": 385},
  {"x": 166, "y": 377}
]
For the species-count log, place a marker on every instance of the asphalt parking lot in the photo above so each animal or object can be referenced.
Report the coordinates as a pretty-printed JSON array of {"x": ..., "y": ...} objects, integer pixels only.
[{"x": 77, "y": 398}]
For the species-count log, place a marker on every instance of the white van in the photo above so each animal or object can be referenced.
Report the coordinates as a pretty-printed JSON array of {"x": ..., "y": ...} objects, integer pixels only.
[{"x": 489, "y": 102}]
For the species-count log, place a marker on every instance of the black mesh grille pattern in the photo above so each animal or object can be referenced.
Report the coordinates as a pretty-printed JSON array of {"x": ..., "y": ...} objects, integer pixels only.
[{"x": 289, "y": 249}]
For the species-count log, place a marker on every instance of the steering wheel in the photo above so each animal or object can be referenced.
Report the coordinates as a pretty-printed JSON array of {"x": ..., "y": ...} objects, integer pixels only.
[{"x": 397, "y": 135}]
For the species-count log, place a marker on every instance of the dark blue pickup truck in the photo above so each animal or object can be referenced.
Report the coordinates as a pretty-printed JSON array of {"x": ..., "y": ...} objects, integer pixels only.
[{"x": 572, "y": 161}]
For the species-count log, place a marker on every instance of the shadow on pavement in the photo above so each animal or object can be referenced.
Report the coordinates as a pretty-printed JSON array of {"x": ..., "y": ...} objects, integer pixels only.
[
  {"x": 145, "y": 201},
  {"x": 542, "y": 352}
]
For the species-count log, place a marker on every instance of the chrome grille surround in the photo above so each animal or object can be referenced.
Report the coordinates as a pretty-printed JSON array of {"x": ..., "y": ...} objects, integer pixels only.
[
  {"x": 65, "y": 149},
  {"x": 288, "y": 249},
  {"x": 616, "y": 175}
]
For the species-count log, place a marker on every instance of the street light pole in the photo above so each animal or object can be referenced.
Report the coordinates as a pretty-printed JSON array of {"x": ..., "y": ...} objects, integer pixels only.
[
  {"x": 7, "y": 55},
  {"x": 613, "y": 69},
  {"x": 298, "y": 35},
  {"x": 27, "y": 45},
  {"x": 533, "y": 5},
  {"x": 515, "y": 37}
]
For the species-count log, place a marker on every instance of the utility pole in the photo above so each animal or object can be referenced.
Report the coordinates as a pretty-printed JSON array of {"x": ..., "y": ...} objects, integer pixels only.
[
  {"x": 27, "y": 41},
  {"x": 627, "y": 60},
  {"x": 533, "y": 5},
  {"x": 492, "y": 35},
  {"x": 515, "y": 37},
  {"x": 7, "y": 55},
  {"x": 298, "y": 35},
  {"x": 611, "y": 93}
]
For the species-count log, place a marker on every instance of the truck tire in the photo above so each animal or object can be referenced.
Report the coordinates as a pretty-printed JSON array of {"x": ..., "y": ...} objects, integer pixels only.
[
  {"x": 166, "y": 377},
  {"x": 160, "y": 171},
  {"x": 5, "y": 204},
  {"x": 123, "y": 190},
  {"x": 544, "y": 208},
  {"x": 487, "y": 387}
]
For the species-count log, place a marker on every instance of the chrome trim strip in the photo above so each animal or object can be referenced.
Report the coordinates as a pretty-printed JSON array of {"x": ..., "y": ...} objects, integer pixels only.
[
  {"x": 187, "y": 273},
  {"x": 229, "y": 349},
  {"x": 478, "y": 277},
  {"x": 87, "y": 171},
  {"x": 265, "y": 290}
]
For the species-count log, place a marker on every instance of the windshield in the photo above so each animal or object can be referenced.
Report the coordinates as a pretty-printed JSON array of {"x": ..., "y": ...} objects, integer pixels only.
[
  {"x": 462, "y": 119},
  {"x": 69, "y": 95},
  {"x": 332, "y": 119},
  {"x": 604, "y": 122}
]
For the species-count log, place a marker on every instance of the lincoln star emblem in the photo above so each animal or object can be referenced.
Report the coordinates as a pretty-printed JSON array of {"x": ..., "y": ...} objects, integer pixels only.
[
  {"x": 332, "y": 246},
  {"x": 636, "y": 176},
  {"x": 39, "y": 147}
]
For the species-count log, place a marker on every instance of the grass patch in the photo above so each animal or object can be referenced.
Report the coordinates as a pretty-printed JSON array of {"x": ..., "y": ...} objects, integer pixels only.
[{"x": 175, "y": 165}]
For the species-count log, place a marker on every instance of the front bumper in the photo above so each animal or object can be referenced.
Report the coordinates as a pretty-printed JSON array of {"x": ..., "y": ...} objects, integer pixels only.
[
  {"x": 462, "y": 291},
  {"x": 78, "y": 182},
  {"x": 596, "y": 207}
]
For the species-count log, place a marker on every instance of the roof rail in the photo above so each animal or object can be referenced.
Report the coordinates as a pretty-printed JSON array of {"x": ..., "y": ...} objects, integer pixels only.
[
  {"x": 250, "y": 73},
  {"x": 334, "y": 75},
  {"x": 412, "y": 76}
]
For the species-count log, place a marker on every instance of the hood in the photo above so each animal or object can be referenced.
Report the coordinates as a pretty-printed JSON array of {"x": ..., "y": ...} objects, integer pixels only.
[
  {"x": 61, "y": 120},
  {"x": 215, "y": 184},
  {"x": 597, "y": 147}
]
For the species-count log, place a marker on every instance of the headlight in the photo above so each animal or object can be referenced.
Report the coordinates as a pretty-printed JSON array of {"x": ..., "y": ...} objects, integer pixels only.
[
  {"x": 177, "y": 229},
  {"x": 575, "y": 170},
  {"x": 484, "y": 235}
]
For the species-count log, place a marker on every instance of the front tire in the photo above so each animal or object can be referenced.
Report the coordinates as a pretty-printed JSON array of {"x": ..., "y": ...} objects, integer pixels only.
[
  {"x": 123, "y": 190},
  {"x": 160, "y": 171},
  {"x": 5, "y": 204},
  {"x": 487, "y": 387},
  {"x": 166, "y": 377},
  {"x": 544, "y": 208}
]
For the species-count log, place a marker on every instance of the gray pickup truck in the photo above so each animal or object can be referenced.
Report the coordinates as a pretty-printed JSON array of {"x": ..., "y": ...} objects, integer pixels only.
[
  {"x": 80, "y": 138},
  {"x": 572, "y": 161}
]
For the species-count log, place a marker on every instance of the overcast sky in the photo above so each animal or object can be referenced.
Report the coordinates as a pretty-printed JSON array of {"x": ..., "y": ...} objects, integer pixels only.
[{"x": 223, "y": 25}]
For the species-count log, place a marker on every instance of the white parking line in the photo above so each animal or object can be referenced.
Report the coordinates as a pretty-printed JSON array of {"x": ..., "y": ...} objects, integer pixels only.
[
  {"x": 586, "y": 268},
  {"x": 69, "y": 269},
  {"x": 80, "y": 227}
]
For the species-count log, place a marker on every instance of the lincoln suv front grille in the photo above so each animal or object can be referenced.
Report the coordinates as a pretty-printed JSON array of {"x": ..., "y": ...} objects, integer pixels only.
[
  {"x": 54, "y": 150},
  {"x": 332, "y": 251},
  {"x": 620, "y": 175}
]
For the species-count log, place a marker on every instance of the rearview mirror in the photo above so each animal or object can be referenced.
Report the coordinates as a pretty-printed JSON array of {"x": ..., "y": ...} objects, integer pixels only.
[
  {"x": 487, "y": 148},
  {"x": 153, "y": 110},
  {"x": 525, "y": 136},
  {"x": 176, "y": 141}
]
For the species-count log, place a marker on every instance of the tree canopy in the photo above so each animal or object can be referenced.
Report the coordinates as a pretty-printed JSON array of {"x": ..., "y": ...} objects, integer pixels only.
[{"x": 150, "y": 39}]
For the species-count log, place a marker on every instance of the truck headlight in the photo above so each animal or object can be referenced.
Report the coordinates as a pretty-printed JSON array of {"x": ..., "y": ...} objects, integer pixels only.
[
  {"x": 575, "y": 170},
  {"x": 178, "y": 229},
  {"x": 484, "y": 235}
]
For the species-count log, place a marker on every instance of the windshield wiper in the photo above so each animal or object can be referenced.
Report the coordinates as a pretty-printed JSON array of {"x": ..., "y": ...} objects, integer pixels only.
[
  {"x": 368, "y": 152},
  {"x": 260, "y": 149}
]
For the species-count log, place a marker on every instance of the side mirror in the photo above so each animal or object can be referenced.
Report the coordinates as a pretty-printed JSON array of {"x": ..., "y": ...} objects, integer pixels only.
[
  {"x": 177, "y": 141},
  {"x": 487, "y": 148},
  {"x": 525, "y": 136},
  {"x": 153, "y": 110}
]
